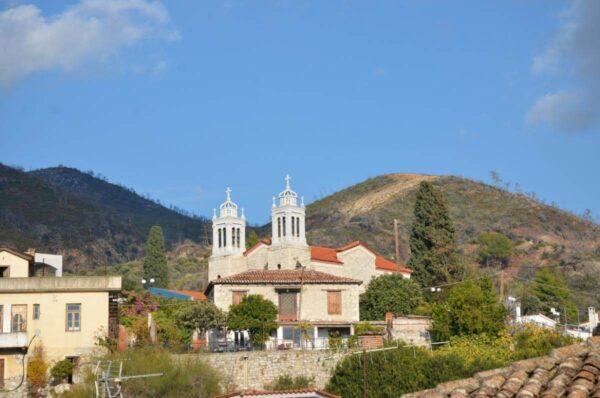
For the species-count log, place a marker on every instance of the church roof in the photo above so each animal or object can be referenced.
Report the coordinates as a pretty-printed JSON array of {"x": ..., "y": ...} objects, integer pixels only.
[
  {"x": 330, "y": 255},
  {"x": 283, "y": 276}
]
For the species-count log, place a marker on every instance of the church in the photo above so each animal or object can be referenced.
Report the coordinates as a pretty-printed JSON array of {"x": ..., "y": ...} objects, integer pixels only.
[{"x": 314, "y": 285}]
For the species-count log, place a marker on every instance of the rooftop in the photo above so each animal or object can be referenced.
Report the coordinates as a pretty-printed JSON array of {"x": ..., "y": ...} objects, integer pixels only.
[
  {"x": 572, "y": 371},
  {"x": 284, "y": 276},
  {"x": 300, "y": 393},
  {"x": 62, "y": 284}
]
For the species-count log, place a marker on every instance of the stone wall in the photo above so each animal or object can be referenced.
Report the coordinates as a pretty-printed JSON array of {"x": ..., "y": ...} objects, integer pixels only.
[
  {"x": 413, "y": 330},
  {"x": 252, "y": 370}
]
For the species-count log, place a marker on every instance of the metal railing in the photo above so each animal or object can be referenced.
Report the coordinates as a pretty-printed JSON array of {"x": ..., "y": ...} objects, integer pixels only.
[{"x": 319, "y": 343}]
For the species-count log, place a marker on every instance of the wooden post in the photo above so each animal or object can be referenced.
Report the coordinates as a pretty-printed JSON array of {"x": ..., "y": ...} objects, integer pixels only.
[{"x": 396, "y": 242}]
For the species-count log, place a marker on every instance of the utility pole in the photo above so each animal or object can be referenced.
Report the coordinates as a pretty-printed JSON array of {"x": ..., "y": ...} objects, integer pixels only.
[
  {"x": 396, "y": 242},
  {"x": 502, "y": 286}
]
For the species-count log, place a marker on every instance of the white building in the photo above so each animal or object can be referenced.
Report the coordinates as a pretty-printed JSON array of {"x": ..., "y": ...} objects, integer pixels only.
[{"x": 314, "y": 284}]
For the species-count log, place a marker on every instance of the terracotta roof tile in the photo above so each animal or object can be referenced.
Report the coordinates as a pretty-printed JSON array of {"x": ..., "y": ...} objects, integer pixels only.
[
  {"x": 284, "y": 276},
  {"x": 192, "y": 293},
  {"x": 257, "y": 245},
  {"x": 572, "y": 371},
  {"x": 287, "y": 393},
  {"x": 325, "y": 254}
]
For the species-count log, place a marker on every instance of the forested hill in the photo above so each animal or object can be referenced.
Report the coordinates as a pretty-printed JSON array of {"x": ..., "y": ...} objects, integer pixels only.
[
  {"x": 543, "y": 235},
  {"x": 88, "y": 219}
]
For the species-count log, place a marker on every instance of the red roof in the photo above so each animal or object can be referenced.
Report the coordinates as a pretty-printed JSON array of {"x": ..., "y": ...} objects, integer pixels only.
[
  {"x": 257, "y": 245},
  {"x": 283, "y": 276},
  {"x": 192, "y": 293},
  {"x": 290, "y": 393},
  {"x": 329, "y": 255}
]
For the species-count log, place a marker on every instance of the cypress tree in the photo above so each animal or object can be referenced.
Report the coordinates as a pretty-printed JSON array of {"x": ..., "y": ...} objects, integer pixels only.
[
  {"x": 155, "y": 263},
  {"x": 433, "y": 251}
]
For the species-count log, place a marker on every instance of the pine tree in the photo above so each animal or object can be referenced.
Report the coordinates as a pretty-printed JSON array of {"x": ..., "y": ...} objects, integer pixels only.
[
  {"x": 433, "y": 250},
  {"x": 155, "y": 263}
]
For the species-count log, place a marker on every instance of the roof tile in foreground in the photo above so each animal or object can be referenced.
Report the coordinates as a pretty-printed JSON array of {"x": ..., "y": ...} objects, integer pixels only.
[
  {"x": 300, "y": 393},
  {"x": 284, "y": 276},
  {"x": 572, "y": 371}
]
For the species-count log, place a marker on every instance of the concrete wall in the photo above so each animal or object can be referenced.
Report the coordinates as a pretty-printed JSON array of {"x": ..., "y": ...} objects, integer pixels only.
[
  {"x": 18, "y": 267},
  {"x": 314, "y": 299},
  {"x": 252, "y": 370}
]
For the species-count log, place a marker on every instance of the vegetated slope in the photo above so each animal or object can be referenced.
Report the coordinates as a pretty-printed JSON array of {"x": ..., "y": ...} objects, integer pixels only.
[
  {"x": 366, "y": 211},
  {"x": 87, "y": 219}
]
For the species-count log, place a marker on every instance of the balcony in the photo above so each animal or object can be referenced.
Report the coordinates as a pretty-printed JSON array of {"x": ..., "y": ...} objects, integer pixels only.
[{"x": 13, "y": 340}]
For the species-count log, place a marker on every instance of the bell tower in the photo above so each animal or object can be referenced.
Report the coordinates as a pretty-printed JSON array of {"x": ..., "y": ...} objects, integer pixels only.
[
  {"x": 229, "y": 230},
  {"x": 287, "y": 218}
]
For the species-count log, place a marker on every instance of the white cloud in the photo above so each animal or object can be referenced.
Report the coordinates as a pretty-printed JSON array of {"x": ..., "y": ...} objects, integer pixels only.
[
  {"x": 574, "y": 52},
  {"x": 89, "y": 31}
]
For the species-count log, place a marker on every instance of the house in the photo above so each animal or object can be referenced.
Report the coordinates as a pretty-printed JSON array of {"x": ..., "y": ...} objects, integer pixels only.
[
  {"x": 313, "y": 284},
  {"x": 64, "y": 315},
  {"x": 299, "y": 393},
  {"x": 572, "y": 371}
]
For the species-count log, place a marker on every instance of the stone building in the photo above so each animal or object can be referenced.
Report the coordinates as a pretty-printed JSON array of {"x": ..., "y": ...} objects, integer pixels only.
[
  {"x": 314, "y": 284},
  {"x": 63, "y": 315}
]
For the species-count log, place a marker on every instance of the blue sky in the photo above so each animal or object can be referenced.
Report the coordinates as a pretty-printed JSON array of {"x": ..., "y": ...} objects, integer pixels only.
[{"x": 181, "y": 99}]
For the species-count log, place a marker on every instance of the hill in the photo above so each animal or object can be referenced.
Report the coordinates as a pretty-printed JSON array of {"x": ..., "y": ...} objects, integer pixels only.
[
  {"x": 544, "y": 235},
  {"x": 87, "y": 219}
]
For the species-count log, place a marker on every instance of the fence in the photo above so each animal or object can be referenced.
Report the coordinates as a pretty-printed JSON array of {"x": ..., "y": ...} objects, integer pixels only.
[{"x": 273, "y": 344}]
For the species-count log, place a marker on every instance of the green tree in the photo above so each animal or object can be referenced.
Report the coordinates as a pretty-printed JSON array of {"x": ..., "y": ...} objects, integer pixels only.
[
  {"x": 389, "y": 293},
  {"x": 494, "y": 249},
  {"x": 550, "y": 291},
  {"x": 202, "y": 315},
  {"x": 472, "y": 307},
  {"x": 255, "y": 314},
  {"x": 251, "y": 239},
  {"x": 433, "y": 250},
  {"x": 155, "y": 263}
]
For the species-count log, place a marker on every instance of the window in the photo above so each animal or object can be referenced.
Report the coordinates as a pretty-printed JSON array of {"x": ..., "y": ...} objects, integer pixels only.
[
  {"x": 298, "y": 226},
  {"x": 288, "y": 305},
  {"x": 293, "y": 226},
  {"x": 334, "y": 302},
  {"x": 284, "y": 225},
  {"x": 220, "y": 240},
  {"x": 73, "y": 317},
  {"x": 238, "y": 237},
  {"x": 19, "y": 318},
  {"x": 36, "y": 311},
  {"x": 238, "y": 296},
  {"x": 279, "y": 227},
  {"x": 233, "y": 237},
  {"x": 224, "y": 237}
]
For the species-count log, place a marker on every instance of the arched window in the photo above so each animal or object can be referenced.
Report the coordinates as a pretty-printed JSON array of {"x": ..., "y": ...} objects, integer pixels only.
[
  {"x": 279, "y": 227},
  {"x": 238, "y": 237},
  {"x": 233, "y": 236},
  {"x": 293, "y": 226},
  {"x": 224, "y": 237},
  {"x": 220, "y": 238},
  {"x": 284, "y": 225},
  {"x": 298, "y": 226}
]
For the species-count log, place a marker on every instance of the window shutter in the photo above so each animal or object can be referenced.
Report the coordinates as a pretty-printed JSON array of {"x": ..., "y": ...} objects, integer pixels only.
[{"x": 334, "y": 302}]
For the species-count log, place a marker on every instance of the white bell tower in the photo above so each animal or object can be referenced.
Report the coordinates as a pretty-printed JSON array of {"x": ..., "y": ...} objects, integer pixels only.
[
  {"x": 287, "y": 218},
  {"x": 229, "y": 230}
]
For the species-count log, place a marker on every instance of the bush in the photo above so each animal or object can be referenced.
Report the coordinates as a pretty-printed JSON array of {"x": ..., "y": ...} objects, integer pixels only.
[
  {"x": 366, "y": 327},
  {"x": 61, "y": 371},
  {"x": 287, "y": 382},
  {"x": 532, "y": 341},
  {"x": 183, "y": 378},
  {"x": 36, "y": 371},
  {"x": 389, "y": 293}
]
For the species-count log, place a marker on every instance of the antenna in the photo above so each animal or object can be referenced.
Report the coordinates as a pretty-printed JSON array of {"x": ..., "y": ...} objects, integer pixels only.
[{"x": 109, "y": 376}]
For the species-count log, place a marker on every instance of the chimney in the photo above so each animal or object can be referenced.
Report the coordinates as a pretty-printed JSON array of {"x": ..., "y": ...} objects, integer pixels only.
[
  {"x": 518, "y": 313},
  {"x": 592, "y": 318}
]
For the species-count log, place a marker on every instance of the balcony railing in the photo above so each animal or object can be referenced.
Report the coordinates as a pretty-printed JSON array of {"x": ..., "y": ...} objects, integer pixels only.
[{"x": 13, "y": 340}]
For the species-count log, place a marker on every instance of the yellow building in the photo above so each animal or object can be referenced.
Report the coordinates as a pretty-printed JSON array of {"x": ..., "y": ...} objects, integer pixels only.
[{"x": 65, "y": 315}]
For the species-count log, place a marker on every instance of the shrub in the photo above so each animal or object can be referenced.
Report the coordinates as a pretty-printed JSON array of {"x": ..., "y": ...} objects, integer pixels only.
[
  {"x": 183, "y": 378},
  {"x": 366, "y": 327},
  {"x": 533, "y": 341},
  {"x": 287, "y": 382},
  {"x": 36, "y": 371},
  {"x": 389, "y": 293},
  {"x": 61, "y": 370},
  {"x": 335, "y": 341}
]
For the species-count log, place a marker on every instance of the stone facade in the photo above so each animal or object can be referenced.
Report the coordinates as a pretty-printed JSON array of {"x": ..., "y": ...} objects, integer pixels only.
[
  {"x": 413, "y": 330},
  {"x": 255, "y": 369}
]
